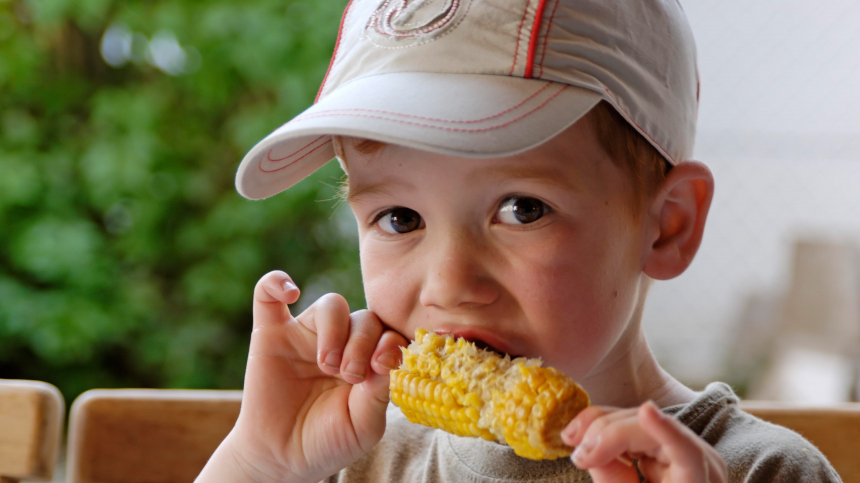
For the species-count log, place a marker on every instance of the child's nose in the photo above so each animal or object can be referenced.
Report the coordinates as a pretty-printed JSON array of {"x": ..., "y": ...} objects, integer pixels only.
[{"x": 458, "y": 277}]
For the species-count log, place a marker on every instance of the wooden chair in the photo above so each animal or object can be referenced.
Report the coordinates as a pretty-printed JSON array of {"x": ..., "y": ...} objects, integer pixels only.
[
  {"x": 146, "y": 435},
  {"x": 835, "y": 430},
  {"x": 31, "y": 424},
  {"x": 155, "y": 436}
]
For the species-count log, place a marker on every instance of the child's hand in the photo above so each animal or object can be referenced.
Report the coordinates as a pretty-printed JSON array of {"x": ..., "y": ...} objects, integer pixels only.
[
  {"x": 316, "y": 387},
  {"x": 605, "y": 439}
]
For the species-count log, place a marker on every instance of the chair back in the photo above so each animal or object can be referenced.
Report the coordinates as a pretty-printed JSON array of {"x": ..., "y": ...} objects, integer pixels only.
[
  {"x": 155, "y": 435},
  {"x": 146, "y": 435},
  {"x": 31, "y": 424},
  {"x": 835, "y": 430}
]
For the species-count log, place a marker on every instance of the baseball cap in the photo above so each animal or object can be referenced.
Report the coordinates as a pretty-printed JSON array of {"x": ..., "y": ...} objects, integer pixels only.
[{"x": 488, "y": 78}]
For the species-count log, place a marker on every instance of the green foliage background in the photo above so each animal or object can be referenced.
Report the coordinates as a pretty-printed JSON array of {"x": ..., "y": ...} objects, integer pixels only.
[{"x": 127, "y": 259}]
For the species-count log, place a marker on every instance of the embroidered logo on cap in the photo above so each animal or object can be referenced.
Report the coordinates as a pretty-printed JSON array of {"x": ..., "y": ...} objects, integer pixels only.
[{"x": 407, "y": 23}]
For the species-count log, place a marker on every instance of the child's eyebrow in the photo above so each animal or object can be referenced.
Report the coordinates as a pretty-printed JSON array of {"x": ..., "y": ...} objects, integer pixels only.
[
  {"x": 383, "y": 187},
  {"x": 540, "y": 174}
]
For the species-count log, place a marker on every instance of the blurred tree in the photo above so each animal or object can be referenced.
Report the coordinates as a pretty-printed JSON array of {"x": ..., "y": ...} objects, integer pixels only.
[{"x": 126, "y": 256}]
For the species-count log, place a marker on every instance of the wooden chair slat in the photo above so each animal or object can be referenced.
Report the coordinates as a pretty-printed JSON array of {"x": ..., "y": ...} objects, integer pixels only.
[
  {"x": 31, "y": 423},
  {"x": 835, "y": 430},
  {"x": 152, "y": 436}
]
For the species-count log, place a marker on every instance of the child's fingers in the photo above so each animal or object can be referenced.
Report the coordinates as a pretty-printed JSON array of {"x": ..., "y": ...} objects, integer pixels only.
[
  {"x": 673, "y": 437},
  {"x": 615, "y": 472},
  {"x": 668, "y": 450},
  {"x": 654, "y": 470},
  {"x": 387, "y": 355},
  {"x": 368, "y": 400},
  {"x": 592, "y": 418},
  {"x": 611, "y": 437},
  {"x": 272, "y": 293},
  {"x": 693, "y": 458},
  {"x": 367, "y": 404},
  {"x": 365, "y": 330},
  {"x": 329, "y": 319}
]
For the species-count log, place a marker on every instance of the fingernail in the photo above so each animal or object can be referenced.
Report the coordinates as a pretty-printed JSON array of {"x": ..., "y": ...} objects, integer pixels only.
[
  {"x": 570, "y": 431},
  {"x": 332, "y": 359},
  {"x": 356, "y": 368},
  {"x": 624, "y": 460},
  {"x": 656, "y": 409},
  {"x": 288, "y": 286},
  {"x": 388, "y": 360},
  {"x": 584, "y": 449}
]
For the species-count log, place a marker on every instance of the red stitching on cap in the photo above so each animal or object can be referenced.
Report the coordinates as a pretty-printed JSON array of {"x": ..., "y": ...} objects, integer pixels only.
[
  {"x": 489, "y": 128},
  {"x": 269, "y": 157},
  {"x": 519, "y": 34},
  {"x": 334, "y": 54},
  {"x": 456, "y": 121},
  {"x": 546, "y": 37},
  {"x": 533, "y": 40},
  {"x": 641, "y": 129},
  {"x": 260, "y": 164}
]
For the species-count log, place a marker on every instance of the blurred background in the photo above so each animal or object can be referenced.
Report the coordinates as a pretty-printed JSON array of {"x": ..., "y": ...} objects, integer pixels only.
[
  {"x": 127, "y": 259},
  {"x": 772, "y": 302}
]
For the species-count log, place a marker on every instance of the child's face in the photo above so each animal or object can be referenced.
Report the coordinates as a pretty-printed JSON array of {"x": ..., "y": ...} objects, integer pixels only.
[{"x": 538, "y": 254}]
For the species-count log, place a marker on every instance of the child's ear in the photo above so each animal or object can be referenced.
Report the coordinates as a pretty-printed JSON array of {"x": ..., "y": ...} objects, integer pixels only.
[{"x": 676, "y": 220}]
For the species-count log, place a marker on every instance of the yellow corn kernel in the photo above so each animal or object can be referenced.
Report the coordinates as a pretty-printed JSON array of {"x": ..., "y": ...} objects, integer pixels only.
[{"x": 454, "y": 386}]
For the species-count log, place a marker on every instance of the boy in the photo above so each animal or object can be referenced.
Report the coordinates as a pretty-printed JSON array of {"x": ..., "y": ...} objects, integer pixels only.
[{"x": 519, "y": 173}]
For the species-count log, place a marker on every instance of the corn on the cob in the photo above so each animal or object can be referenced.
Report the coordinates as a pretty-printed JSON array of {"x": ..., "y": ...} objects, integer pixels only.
[{"x": 452, "y": 385}]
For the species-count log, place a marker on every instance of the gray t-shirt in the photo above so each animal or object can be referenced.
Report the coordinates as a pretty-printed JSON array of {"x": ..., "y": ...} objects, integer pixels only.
[{"x": 754, "y": 451}]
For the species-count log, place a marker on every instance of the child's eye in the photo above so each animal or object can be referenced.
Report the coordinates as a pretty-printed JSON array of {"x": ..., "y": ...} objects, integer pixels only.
[
  {"x": 399, "y": 220},
  {"x": 521, "y": 210}
]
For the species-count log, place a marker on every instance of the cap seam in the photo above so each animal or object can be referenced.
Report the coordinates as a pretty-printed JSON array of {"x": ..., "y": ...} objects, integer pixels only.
[
  {"x": 260, "y": 163},
  {"x": 269, "y": 158},
  {"x": 481, "y": 73},
  {"x": 453, "y": 121},
  {"x": 519, "y": 36},
  {"x": 488, "y": 128},
  {"x": 546, "y": 37},
  {"x": 530, "y": 59}
]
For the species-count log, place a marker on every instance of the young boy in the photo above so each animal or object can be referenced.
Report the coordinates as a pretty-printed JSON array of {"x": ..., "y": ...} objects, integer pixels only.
[{"x": 519, "y": 171}]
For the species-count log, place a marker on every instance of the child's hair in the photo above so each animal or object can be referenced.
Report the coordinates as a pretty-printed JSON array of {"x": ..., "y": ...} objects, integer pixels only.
[
  {"x": 631, "y": 151},
  {"x": 627, "y": 148}
]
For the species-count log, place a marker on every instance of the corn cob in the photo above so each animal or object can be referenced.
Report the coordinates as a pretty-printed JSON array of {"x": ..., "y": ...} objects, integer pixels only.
[{"x": 453, "y": 385}]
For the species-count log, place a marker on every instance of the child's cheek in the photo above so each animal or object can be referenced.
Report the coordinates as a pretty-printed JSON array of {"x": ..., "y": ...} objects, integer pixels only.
[
  {"x": 387, "y": 289},
  {"x": 582, "y": 303}
]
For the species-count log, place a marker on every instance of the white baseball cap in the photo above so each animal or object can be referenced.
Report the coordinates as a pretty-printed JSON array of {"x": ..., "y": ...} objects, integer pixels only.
[{"x": 488, "y": 78}]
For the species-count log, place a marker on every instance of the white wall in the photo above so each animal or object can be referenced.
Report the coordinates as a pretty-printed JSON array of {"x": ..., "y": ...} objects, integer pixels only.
[{"x": 779, "y": 125}]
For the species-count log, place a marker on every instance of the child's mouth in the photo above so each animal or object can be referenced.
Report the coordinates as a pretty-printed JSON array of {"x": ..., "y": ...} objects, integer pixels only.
[
  {"x": 483, "y": 339},
  {"x": 483, "y": 345}
]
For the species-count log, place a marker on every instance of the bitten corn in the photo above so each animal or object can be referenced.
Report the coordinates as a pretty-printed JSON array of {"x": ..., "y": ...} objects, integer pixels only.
[{"x": 452, "y": 385}]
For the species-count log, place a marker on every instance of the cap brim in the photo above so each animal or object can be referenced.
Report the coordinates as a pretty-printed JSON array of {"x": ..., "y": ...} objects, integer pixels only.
[{"x": 457, "y": 114}]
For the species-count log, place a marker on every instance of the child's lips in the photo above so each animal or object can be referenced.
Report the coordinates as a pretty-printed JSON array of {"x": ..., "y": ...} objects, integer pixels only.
[{"x": 482, "y": 339}]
